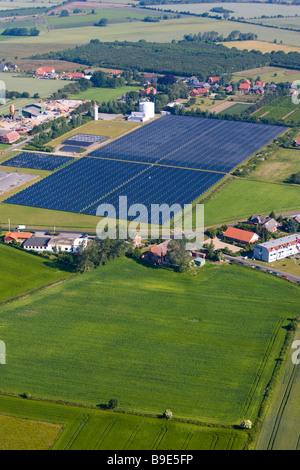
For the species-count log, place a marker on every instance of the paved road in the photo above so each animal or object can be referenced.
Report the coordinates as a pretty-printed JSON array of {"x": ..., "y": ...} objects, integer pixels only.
[{"x": 251, "y": 263}]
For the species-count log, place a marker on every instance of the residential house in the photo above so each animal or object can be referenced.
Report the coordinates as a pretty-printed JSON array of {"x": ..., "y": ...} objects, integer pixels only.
[
  {"x": 274, "y": 250},
  {"x": 148, "y": 91},
  {"x": 258, "y": 219},
  {"x": 150, "y": 78},
  {"x": 272, "y": 88},
  {"x": 241, "y": 236},
  {"x": 245, "y": 86},
  {"x": 297, "y": 142},
  {"x": 115, "y": 73},
  {"x": 297, "y": 219},
  {"x": 212, "y": 80},
  {"x": 260, "y": 83},
  {"x": 157, "y": 254},
  {"x": 228, "y": 88},
  {"x": 43, "y": 72},
  {"x": 270, "y": 225},
  {"x": 18, "y": 237},
  {"x": 69, "y": 244},
  {"x": 75, "y": 75},
  {"x": 258, "y": 89}
]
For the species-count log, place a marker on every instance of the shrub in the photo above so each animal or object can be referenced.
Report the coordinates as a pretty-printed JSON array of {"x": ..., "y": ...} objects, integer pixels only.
[
  {"x": 246, "y": 424},
  {"x": 113, "y": 403},
  {"x": 168, "y": 414}
]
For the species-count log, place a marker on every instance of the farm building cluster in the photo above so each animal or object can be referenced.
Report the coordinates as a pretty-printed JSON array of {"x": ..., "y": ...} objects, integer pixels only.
[
  {"x": 21, "y": 121},
  {"x": 57, "y": 243}
]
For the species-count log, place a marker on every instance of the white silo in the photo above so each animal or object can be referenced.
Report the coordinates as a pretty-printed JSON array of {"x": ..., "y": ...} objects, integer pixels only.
[
  {"x": 96, "y": 114},
  {"x": 147, "y": 107}
]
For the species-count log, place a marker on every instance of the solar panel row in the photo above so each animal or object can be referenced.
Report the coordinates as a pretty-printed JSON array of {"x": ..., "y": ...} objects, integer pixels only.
[
  {"x": 78, "y": 185},
  {"x": 70, "y": 148},
  {"x": 207, "y": 144},
  {"x": 37, "y": 161}
]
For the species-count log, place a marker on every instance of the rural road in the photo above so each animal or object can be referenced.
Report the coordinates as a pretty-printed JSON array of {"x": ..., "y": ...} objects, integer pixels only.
[{"x": 252, "y": 263}]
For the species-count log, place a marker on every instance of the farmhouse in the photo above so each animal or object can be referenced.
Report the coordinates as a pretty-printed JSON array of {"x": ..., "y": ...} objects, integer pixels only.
[
  {"x": 241, "y": 236},
  {"x": 274, "y": 250},
  {"x": 270, "y": 225},
  {"x": 19, "y": 237},
  {"x": 156, "y": 254},
  {"x": 9, "y": 137},
  {"x": 43, "y": 72},
  {"x": 213, "y": 80},
  {"x": 37, "y": 244}
]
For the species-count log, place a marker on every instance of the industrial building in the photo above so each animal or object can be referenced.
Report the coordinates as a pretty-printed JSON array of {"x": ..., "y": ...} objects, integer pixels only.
[
  {"x": 146, "y": 112},
  {"x": 274, "y": 250}
]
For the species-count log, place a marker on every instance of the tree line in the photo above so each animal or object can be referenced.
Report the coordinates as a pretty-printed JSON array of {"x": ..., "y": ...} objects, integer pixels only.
[
  {"x": 183, "y": 58},
  {"x": 21, "y": 32}
]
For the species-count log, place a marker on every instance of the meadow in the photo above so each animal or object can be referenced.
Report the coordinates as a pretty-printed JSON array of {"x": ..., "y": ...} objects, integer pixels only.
[
  {"x": 23, "y": 83},
  {"x": 240, "y": 198},
  {"x": 152, "y": 338},
  {"x": 269, "y": 74},
  {"x": 105, "y": 94},
  {"x": 90, "y": 429},
  {"x": 21, "y": 272},
  {"x": 279, "y": 167}
]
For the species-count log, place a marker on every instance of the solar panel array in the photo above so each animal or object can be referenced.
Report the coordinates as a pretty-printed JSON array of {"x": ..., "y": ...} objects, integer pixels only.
[
  {"x": 84, "y": 140},
  {"x": 37, "y": 161},
  {"x": 191, "y": 155},
  {"x": 202, "y": 143},
  {"x": 77, "y": 186},
  {"x": 159, "y": 185}
]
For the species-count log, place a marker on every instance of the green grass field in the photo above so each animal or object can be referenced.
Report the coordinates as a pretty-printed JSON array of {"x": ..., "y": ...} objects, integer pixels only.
[
  {"x": 105, "y": 94},
  {"x": 152, "y": 338},
  {"x": 279, "y": 167},
  {"x": 241, "y": 198},
  {"x": 280, "y": 429},
  {"x": 21, "y": 272},
  {"x": 245, "y": 10},
  {"x": 236, "y": 109},
  {"x": 87, "y": 429},
  {"x": 20, "y": 83}
]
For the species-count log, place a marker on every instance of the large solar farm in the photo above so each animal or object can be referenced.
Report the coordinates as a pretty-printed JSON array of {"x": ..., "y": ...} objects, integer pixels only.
[{"x": 174, "y": 159}]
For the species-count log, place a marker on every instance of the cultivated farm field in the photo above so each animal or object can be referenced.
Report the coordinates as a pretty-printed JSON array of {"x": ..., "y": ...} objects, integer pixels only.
[
  {"x": 152, "y": 338},
  {"x": 90, "y": 429}
]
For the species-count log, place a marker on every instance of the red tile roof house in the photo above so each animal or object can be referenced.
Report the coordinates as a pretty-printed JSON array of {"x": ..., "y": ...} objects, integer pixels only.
[
  {"x": 241, "y": 236},
  {"x": 44, "y": 71},
  {"x": 297, "y": 141},
  {"x": 156, "y": 254},
  {"x": 194, "y": 92},
  {"x": 202, "y": 91},
  {"x": 213, "y": 80},
  {"x": 75, "y": 75},
  {"x": 260, "y": 83},
  {"x": 19, "y": 237},
  {"x": 245, "y": 86},
  {"x": 115, "y": 73},
  {"x": 9, "y": 137}
]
